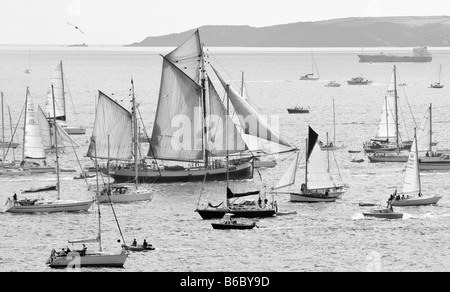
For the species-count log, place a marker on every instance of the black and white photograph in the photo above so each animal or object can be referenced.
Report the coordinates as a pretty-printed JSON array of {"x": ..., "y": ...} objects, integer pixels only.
[{"x": 225, "y": 137}]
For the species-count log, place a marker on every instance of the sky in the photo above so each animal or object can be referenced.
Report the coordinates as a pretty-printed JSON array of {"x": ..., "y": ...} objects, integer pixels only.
[{"x": 119, "y": 22}]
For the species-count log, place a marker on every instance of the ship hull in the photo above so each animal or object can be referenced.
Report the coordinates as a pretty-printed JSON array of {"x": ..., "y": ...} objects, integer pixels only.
[
  {"x": 396, "y": 59},
  {"x": 242, "y": 171}
]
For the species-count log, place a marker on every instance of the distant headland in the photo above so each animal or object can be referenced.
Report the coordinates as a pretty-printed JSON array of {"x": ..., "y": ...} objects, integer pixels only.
[{"x": 404, "y": 31}]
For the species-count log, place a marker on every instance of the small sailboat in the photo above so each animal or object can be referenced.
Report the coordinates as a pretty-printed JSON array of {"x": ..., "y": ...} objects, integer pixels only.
[
  {"x": 59, "y": 86},
  {"x": 80, "y": 258},
  {"x": 38, "y": 137},
  {"x": 314, "y": 75},
  {"x": 42, "y": 205},
  {"x": 249, "y": 209},
  {"x": 429, "y": 158},
  {"x": 4, "y": 144},
  {"x": 319, "y": 185},
  {"x": 227, "y": 222},
  {"x": 438, "y": 84},
  {"x": 115, "y": 137},
  {"x": 411, "y": 194},
  {"x": 387, "y": 145},
  {"x": 331, "y": 145}
]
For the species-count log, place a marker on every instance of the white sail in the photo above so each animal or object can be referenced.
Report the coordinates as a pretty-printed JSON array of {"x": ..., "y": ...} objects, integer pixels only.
[
  {"x": 57, "y": 80},
  {"x": 318, "y": 176},
  {"x": 112, "y": 129},
  {"x": 411, "y": 180},
  {"x": 387, "y": 124},
  {"x": 33, "y": 144},
  {"x": 288, "y": 178},
  {"x": 252, "y": 123},
  {"x": 218, "y": 135},
  {"x": 187, "y": 57},
  {"x": 424, "y": 133},
  {"x": 253, "y": 143},
  {"x": 45, "y": 129},
  {"x": 178, "y": 128}
]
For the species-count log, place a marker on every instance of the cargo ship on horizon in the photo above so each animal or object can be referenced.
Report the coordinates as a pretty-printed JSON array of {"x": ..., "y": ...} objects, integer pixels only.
[{"x": 420, "y": 54}]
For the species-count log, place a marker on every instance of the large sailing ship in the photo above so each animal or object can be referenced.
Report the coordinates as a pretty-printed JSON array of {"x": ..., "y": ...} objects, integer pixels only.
[{"x": 189, "y": 127}]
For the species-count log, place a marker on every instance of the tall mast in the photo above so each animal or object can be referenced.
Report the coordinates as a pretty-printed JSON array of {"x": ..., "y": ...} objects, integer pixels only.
[
  {"x": 387, "y": 118},
  {"x": 25, "y": 124},
  {"x": 12, "y": 134},
  {"x": 306, "y": 166},
  {"x": 242, "y": 85},
  {"x": 334, "y": 126},
  {"x": 205, "y": 127},
  {"x": 431, "y": 132},
  {"x": 328, "y": 154},
  {"x": 97, "y": 194},
  {"x": 226, "y": 138},
  {"x": 56, "y": 143},
  {"x": 135, "y": 140},
  {"x": 417, "y": 161},
  {"x": 396, "y": 109},
  {"x": 63, "y": 91},
  {"x": 3, "y": 133}
]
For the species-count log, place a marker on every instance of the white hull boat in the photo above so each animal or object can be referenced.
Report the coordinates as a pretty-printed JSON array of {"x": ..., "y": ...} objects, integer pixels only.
[
  {"x": 127, "y": 197},
  {"x": 383, "y": 213},
  {"x": 91, "y": 259},
  {"x": 416, "y": 201},
  {"x": 49, "y": 206}
]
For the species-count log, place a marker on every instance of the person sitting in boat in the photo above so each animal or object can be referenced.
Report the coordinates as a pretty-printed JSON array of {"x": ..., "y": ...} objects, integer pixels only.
[
  {"x": 326, "y": 193},
  {"x": 403, "y": 197},
  {"x": 83, "y": 250},
  {"x": 145, "y": 244},
  {"x": 303, "y": 188},
  {"x": 134, "y": 242}
]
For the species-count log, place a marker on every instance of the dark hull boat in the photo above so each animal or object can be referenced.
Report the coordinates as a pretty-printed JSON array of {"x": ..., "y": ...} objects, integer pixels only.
[
  {"x": 298, "y": 110},
  {"x": 231, "y": 225}
]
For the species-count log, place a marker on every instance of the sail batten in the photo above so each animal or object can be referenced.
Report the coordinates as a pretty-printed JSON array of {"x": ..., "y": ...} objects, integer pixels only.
[{"x": 112, "y": 129}]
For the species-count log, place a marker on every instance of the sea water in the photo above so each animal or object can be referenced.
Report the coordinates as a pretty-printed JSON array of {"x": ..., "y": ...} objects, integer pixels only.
[{"x": 318, "y": 237}]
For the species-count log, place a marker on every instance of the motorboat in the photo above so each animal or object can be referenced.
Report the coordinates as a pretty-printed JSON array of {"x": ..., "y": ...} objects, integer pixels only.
[{"x": 227, "y": 222}]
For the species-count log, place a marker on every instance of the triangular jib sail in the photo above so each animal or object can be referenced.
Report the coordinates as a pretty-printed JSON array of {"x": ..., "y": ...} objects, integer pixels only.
[
  {"x": 33, "y": 144},
  {"x": 57, "y": 80},
  {"x": 387, "y": 125},
  {"x": 411, "y": 181}
]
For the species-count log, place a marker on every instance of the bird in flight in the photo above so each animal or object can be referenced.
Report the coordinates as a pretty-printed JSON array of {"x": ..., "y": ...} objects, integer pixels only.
[{"x": 76, "y": 27}]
